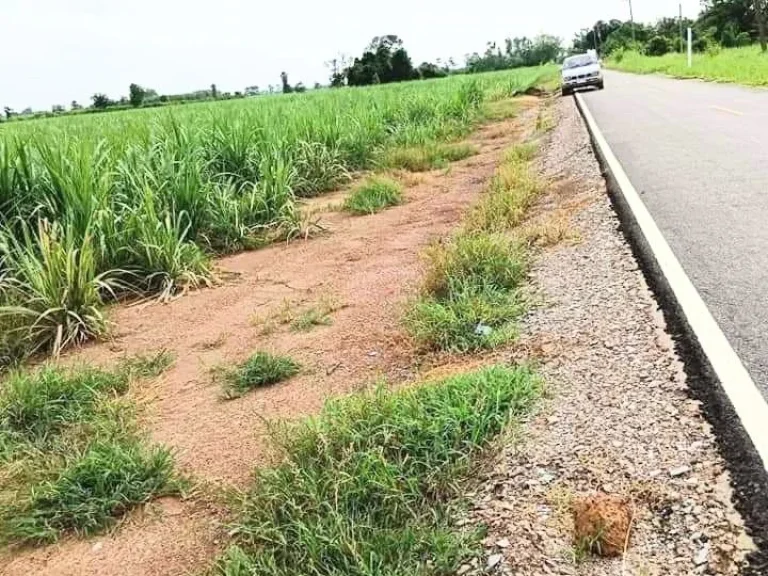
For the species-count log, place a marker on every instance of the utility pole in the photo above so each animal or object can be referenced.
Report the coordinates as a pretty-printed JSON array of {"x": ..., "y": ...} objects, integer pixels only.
[
  {"x": 682, "y": 36},
  {"x": 632, "y": 21}
]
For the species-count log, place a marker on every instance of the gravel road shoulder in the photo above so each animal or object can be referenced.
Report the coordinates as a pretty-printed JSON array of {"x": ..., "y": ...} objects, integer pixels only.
[{"x": 619, "y": 419}]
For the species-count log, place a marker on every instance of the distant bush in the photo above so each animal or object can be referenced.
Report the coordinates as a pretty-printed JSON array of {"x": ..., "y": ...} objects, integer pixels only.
[{"x": 658, "y": 46}]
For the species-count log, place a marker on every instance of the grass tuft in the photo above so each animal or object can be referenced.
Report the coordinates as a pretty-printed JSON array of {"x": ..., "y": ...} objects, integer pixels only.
[
  {"x": 374, "y": 195},
  {"x": 477, "y": 258},
  {"x": 513, "y": 190},
  {"x": 261, "y": 369},
  {"x": 471, "y": 295},
  {"x": 35, "y": 406},
  {"x": 467, "y": 320},
  {"x": 72, "y": 457},
  {"x": 147, "y": 365},
  {"x": 367, "y": 487},
  {"x": 106, "y": 480},
  {"x": 427, "y": 157}
]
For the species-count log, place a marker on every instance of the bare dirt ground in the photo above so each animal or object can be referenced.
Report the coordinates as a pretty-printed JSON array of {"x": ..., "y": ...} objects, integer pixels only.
[
  {"x": 619, "y": 419},
  {"x": 366, "y": 266}
]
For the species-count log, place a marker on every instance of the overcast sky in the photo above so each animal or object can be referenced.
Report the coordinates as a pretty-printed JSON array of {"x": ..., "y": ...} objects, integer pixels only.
[{"x": 56, "y": 51}]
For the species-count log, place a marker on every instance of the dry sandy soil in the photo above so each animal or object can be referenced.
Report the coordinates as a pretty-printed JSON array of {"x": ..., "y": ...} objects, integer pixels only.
[{"x": 366, "y": 266}]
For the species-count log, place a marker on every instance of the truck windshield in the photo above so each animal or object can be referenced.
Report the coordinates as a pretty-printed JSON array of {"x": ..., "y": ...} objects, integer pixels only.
[{"x": 580, "y": 60}]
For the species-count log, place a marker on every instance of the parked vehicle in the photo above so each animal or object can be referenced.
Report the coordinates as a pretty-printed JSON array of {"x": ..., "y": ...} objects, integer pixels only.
[{"x": 581, "y": 71}]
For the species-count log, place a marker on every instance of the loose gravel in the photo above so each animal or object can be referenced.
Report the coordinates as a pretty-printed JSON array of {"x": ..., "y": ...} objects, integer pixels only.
[{"x": 618, "y": 418}]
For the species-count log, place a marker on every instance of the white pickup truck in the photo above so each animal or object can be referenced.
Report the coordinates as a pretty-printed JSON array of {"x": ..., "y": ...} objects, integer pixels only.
[{"x": 580, "y": 71}]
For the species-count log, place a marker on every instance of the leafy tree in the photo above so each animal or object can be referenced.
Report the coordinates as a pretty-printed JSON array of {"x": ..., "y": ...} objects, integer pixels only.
[
  {"x": 338, "y": 67},
  {"x": 517, "y": 52},
  {"x": 761, "y": 15},
  {"x": 57, "y": 109},
  {"x": 317, "y": 86},
  {"x": 658, "y": 46},
  {"x": 401, "y": 66},
  {"x": 101, "y": 101},
  {"x": 428, "y": 70},
  {"x": 287, "y": 89},
  {"x": 75, "y": 106},
  {"x": 8, "y": 111},
  {"x": 136, "y": 95},
  {"x": 384, "y": 60},
  {"x": 299, "y": 88},
  {"x": 214, "y": 92}
]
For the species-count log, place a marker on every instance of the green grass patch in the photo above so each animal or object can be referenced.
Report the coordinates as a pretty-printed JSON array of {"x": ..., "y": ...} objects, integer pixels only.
[
  {"x": 368, "y": 486},
  {"x": 745, "y": 65},
  {"x": 477, "y": 258},
  {"x": 90, "y": 491},
  {"x": 471, "y": 296},
  {"x": 71, "y": 456},
  {"x": 429, "y": 156},
  {"x": 513, "y": 190},
  {"x": 374, "y": 195},
  {"x": 501, "y": 109},
  {"x": 469, "y": 319},
  {"x": 261, "y": 369}
]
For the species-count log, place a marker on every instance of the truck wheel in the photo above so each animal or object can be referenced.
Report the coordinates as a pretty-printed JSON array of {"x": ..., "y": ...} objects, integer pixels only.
[
  {"x": 601, "y": 85},
  {"x": 565, "y": 92}
]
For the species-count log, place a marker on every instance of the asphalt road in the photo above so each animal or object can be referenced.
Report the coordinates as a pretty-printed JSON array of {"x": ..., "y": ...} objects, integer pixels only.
[{"x": 697, "y": 153}]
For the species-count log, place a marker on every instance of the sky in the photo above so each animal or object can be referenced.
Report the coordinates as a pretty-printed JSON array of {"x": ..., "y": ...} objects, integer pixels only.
[{"x": 56, "y": 51}]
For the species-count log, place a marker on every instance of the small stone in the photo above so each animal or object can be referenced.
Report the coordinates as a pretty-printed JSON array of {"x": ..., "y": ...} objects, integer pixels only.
[
  {"x": 463, "y": 569},
  {"x": 701, "y": 556},
  {"x": 493, "y": 561},
  {"x": 96, "y": 547},
  {"x": 373, "y": 353},
  {"x": 503, "y": 543},
  {"x": 679, "y": 471}
]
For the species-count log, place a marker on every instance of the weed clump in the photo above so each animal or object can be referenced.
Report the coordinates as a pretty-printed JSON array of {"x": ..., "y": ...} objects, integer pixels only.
[
  {"x": 373, "y": 479},
  {"x": 427, "y": 157},
  {"x": 73, "y": 458},
  {"x": 471, "y": 296},
  {"x": 261, "y": 369},
  {"x": 373, "y": 196}
]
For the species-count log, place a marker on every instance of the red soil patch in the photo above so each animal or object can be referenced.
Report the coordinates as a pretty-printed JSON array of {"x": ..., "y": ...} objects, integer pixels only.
[{"x": 370, "y": 265}]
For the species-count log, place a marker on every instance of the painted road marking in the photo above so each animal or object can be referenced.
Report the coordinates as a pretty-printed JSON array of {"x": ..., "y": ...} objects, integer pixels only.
[
  {"x": 727, "y": 110},
  {"x": 746, "y": 399}
]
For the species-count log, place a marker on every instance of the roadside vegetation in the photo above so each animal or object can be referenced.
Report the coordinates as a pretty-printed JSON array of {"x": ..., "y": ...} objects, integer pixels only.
[
  {"x": 426, "y": 157},
  {"x": 741, "y": 65},
  {"x": 729, "y": 41},
  {"x": 471, "y": 296},
  {"x": 72, "y": 458},
  {"x": 367, "y": 487},
  {"x": 98, "y": 208}
]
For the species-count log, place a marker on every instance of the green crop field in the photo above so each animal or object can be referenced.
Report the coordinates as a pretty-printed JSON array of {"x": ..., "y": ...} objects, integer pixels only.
[
  {"x": 95, "y": 208},
  {"x": 741, "y": 65}
]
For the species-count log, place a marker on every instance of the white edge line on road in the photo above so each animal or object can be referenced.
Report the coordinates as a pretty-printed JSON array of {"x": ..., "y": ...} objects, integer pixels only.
[{"x": 746, "y": 399}]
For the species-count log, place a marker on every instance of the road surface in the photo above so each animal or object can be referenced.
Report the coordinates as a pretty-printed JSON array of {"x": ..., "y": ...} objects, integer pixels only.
[{"x": 697, "y": 153}]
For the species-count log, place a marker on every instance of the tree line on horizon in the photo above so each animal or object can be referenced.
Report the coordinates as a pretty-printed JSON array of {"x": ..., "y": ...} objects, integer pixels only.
[{"x": 383, "y": 61}]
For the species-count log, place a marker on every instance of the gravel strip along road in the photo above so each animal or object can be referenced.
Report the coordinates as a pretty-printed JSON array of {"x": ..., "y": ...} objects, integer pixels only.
[{"x": 619, "y": 418}]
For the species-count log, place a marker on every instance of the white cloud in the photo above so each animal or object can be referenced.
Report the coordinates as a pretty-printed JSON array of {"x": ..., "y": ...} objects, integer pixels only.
[{"x": 54, "y": 51}]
